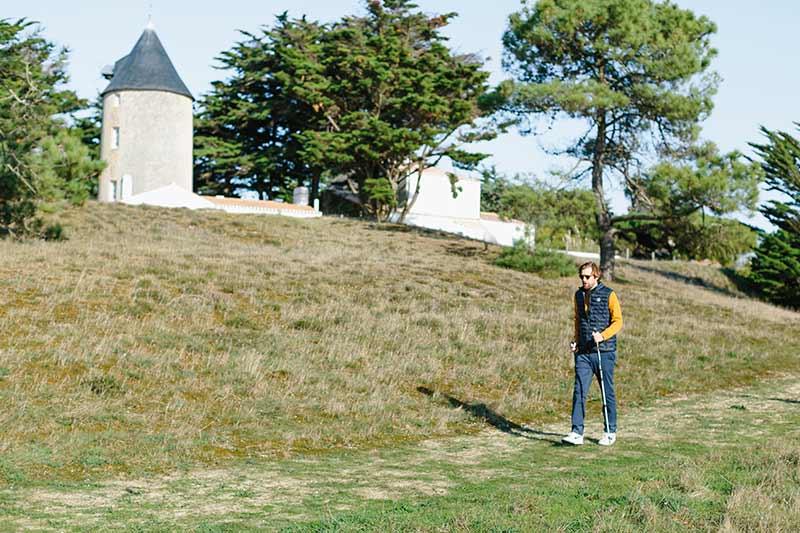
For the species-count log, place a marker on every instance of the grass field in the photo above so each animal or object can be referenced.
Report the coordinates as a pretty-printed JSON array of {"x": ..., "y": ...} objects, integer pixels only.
[{"x": 156, "y": 343}]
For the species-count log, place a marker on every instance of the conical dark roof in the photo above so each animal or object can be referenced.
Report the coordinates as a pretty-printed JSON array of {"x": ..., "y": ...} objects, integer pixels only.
[{"x": 147, "y": 68}]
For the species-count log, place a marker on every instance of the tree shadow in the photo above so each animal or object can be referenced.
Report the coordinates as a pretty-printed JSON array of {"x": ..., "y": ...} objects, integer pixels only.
[
  {"x": 690, "y": 280},
  {"x": 742, "y": 283},
  {"x": 392, "y": 227},
  {"x": 784, "y": 400},
  {"x": 496, "y": 420}
]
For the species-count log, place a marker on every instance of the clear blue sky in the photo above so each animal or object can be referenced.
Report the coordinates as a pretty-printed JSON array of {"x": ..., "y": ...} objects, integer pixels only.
[{"x": 757, "y": 43}]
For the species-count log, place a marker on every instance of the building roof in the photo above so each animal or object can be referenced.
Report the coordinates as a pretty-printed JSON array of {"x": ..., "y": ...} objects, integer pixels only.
[
  {"x": 170, "y": 196},
  {"x": 147, "y": 68}
]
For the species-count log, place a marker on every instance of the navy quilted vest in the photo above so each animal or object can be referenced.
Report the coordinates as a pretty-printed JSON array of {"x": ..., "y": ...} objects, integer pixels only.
[{"x": 597, "y": 319}]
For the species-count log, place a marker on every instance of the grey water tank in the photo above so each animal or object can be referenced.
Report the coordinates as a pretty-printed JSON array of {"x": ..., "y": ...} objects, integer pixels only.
[{"x": 300, "y": 196}]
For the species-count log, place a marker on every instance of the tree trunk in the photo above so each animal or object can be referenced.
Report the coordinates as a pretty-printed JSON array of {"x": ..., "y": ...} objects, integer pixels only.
[
  {"x": 603, "y": 218},
  {"x": 412, "y": 199}
]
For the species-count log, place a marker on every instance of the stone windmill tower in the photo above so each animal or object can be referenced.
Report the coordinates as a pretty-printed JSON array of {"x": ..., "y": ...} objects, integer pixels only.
[{"x": 146, "y": 137}]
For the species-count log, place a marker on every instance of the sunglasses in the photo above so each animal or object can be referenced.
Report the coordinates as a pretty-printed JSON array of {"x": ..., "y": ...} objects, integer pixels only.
[{"x": 586, "y": 277}]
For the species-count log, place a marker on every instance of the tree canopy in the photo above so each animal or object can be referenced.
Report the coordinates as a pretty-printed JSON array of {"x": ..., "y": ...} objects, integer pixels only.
[
  {"x": 39, "y": 161},
  {"x": 634, "y": 71},
  {"x": 246, "y": 129},
  {"x": 369, "y": 98},
  {"x": 558, "y": 214},
  {"x": 775, "y": 269}
]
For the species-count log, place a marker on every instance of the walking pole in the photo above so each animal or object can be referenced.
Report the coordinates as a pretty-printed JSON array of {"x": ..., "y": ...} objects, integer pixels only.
[{"x": 602, "y": 388}]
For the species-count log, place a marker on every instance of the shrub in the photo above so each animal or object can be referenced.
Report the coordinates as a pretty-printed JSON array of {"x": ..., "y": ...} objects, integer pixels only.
[{"x": 545, "y": 263}]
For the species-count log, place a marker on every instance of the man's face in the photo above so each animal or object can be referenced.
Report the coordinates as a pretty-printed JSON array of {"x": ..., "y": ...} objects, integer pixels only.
[{"x": 588, "y": 280}]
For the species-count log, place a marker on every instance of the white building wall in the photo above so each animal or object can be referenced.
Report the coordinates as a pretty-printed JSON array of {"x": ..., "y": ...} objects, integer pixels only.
[
  {"x": 155, "y": 140},
  {"x": 436, "y": 198},
  {"x": 506, "y": 233}
]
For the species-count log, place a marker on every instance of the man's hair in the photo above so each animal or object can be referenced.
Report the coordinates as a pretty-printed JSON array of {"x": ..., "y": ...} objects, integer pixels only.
[{"x": 595, "y": 269}]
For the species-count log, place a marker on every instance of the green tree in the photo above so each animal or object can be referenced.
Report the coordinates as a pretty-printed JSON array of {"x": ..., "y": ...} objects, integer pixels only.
[
  {"x": 559, "y": 215},
  {"x": 775, "y": 269},
  {"x": 32, "y": 72},
  {"x": 393, "y": 100},
  {"x": 677, "y": 204},
  {"x": 246, "y": 129},
  {"x": 63, "y": 170},
  {"x": 88, "y": 126},
  {"x": 371, "y": 99},
  {"x": 696, "y": 236},
  {"x": 633, "y": 71},
  {"x": 493, "y": 185}
]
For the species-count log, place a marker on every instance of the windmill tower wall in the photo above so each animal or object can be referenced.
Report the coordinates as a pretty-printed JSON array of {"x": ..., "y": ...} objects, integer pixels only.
[{"x": 147, "y": 136}]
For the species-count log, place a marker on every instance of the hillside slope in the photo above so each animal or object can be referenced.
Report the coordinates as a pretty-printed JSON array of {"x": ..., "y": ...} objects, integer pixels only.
[{"x": 155, "y": 339}]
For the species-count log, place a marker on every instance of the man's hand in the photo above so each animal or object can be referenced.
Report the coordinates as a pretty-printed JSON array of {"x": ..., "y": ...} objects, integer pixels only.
[
  {"x": 598, "y": 337},
  {"x": 573, "y": 346}
]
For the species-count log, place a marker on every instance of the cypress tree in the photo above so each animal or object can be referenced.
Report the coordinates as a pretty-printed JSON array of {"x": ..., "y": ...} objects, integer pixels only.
[{"x": 776, "y": 266}]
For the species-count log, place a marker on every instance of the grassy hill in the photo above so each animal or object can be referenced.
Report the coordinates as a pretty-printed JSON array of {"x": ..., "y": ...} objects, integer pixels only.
[{"x": 160, "y": 339}]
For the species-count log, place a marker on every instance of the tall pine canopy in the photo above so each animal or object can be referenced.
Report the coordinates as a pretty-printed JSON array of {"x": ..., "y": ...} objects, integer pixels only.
[
  {"x": 776, "y": 266},
  {"x": 634, "y": 72},
  {"x": 40, "y": 161},
  {"x": 368, "y": 99},
  {"x": 247, "y": 127}
]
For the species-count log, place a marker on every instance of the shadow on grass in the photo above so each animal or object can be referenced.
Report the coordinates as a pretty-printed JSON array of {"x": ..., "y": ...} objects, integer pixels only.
[
  {"x": 741, "y": 283},
  {"x": 784, "y": 400},
  {"x": 453, "y": 248},
  {"x": 496, "y": 420}
]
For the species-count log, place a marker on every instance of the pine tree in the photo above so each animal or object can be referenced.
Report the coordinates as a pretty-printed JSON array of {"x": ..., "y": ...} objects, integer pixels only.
[
  {"x": 775, "y": 269},
  {"x": 32, "y": 71},
  {"x": 247, "y": 127},
  {"x": 373, "y": 98},
  {"x": 393, "y": 100},
  {"x": 64, "y": 170},
  {"x": 631, "y": 71}
]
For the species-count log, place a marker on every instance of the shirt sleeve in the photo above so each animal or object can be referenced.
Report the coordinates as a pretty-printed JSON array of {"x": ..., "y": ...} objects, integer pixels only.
[{"x": 616, "y": 317}]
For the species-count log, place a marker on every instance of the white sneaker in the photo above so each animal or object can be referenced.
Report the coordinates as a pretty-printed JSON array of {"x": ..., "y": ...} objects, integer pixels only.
[
  {"x": 608, "y": 439},
  {"x": 573, "y": 438}
]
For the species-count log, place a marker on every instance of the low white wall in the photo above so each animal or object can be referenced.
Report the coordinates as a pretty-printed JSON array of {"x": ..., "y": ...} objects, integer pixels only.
[
  {"x": 267, "y": 211},
  {"x": 505, "y": 233},
  {"x": 494, "y": 232}
]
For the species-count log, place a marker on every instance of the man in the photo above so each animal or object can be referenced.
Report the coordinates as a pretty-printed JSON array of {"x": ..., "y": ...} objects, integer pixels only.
[{"x": 598, "y": 319}]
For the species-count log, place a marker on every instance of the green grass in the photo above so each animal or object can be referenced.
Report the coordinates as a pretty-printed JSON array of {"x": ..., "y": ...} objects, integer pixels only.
[
  {"x": 727, "y": 461},
  {"x": 159, "y": 341},
  {"x": 154, "y": 338}
]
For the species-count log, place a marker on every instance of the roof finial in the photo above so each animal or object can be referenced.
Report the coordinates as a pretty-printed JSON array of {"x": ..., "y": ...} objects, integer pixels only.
[{"x": 150, "y": 25}]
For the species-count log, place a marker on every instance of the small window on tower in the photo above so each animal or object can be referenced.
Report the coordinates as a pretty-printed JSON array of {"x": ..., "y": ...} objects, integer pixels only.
[
  {"x": 117, "y": 99},
  {"x": 115, "y": 138}
]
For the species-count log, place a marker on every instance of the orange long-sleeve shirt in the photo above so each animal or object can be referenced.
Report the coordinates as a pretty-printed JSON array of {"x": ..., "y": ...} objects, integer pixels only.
[{"x": 616, "y": 317}]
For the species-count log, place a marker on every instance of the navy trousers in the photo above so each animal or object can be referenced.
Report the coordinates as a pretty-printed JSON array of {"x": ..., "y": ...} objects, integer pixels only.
[{"x": 587, "y": 366}]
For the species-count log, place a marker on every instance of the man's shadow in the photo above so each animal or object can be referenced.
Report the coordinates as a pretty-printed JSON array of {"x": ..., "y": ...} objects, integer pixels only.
[
  {"x": 783, "y": 400},
  {"x": 496, "y": 420}
]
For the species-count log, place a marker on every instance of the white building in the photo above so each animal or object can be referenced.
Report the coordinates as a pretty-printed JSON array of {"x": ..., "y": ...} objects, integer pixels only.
[{"x": 436, "y": 208}]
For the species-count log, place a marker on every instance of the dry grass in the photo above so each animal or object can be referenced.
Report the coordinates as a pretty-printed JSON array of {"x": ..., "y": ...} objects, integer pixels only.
[{"x": 155, "y": 339}]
